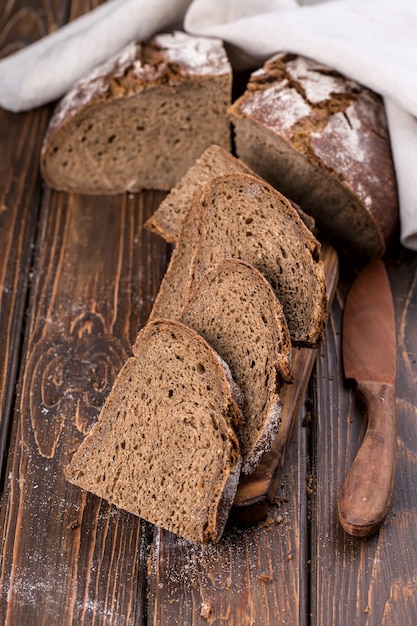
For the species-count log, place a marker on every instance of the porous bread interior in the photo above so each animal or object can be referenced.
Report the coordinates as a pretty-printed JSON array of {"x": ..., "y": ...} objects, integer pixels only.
[
  {"x": 168, "y": 218},
  {"x": 244, "y": 218},
  {"x": 236, "y": 311},
  {"x": 144, "y": 140},
  {"x": 163, "y": 447},
  {"x": 339, "y": 215}
]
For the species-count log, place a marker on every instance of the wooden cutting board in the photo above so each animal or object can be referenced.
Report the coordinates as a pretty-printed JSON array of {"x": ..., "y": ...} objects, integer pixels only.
[{"x": 257, "y": 491}]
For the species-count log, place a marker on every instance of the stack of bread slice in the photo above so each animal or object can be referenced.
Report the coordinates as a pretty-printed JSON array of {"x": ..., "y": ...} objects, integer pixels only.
[{"x": 198, "y": 402}]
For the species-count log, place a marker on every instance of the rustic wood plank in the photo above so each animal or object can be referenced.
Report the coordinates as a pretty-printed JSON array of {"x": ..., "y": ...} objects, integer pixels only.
[
  {"x": 369, "y": 581},
  {"x": 69, "y": 558},
  {"x": 254, "y": 575},
  {"x": 20, "y": 137}
]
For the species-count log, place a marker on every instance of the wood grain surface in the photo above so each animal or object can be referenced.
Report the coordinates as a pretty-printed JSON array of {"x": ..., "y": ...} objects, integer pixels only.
[
  {"x": 20, "y": 191},
  {"x": 78, "y": 277},
  {"x": 369, "y": 581}
]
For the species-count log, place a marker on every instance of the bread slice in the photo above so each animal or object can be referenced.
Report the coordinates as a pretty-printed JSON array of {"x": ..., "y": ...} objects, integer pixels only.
[
  {"x": 167, "y": 219},
  {"x": 241, "y": 216},
  {"x": 322, "y": 140},
  {"x": 215, "y": 161},
  {"x": 141, "y": 120},
  {"x": 164, "y": 447},
  {"x": 236, "y": 311}
]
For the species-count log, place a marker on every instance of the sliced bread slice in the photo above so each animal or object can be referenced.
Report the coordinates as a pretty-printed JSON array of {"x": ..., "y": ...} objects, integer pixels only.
[
  {"x": 167, "y": 219},
  {"x": 236, "y": 311},
  {"x": 142, "y": 119},
  {"x": 240, "y": 216},
  {"x": 164, "y": 447}
]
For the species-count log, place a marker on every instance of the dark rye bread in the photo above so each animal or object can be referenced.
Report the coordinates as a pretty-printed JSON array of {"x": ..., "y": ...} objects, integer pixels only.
[
  {"x": 167, "y": 219},
  {"x": 164, "y": 447},
  {"x": 236, "y": 311},
  {"x": 142, "y": 119},
  {"x": 240, "y": 216},
  {"x": 322, "y": 140}
]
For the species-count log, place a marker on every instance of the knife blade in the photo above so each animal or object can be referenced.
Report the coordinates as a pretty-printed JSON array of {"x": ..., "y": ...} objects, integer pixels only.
[{"x": 369, "y": 358}]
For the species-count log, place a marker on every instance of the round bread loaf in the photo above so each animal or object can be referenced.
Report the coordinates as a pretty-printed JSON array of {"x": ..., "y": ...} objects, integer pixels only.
[{"x": 321, "y": 140}]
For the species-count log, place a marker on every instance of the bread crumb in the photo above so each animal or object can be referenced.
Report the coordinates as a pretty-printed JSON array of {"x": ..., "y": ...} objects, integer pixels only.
[
  {"x": 307, "y": 419},
  {"x": 205, "y": 609},
  {"x": 367, "y": 609},
  {"x": 266, "y": 578},
  {"x": 309, "y": 486}
]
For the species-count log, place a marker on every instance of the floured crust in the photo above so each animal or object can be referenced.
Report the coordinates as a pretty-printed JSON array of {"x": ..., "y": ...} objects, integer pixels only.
[
  {"x": 224, "y": 503},
  {"x": 323, "y": 141},
  {"x": 267, "y": 437},
  {"x": 141, "y": 66}
]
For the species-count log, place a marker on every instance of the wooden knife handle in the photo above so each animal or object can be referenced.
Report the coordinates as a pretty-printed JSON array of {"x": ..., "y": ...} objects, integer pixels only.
[{"x": 366, "y": 495}]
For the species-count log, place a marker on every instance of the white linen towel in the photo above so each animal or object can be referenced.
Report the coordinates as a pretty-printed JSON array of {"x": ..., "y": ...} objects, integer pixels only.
[{"x": 373, "y": 42}]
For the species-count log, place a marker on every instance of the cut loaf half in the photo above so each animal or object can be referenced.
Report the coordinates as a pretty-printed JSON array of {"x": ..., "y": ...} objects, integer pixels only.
[
  {"x": 241, "y": 216},
  {"x": 164, "y": 447},
  {"x": 142, "y": 119},
  {"x": 236, "y": 311}
]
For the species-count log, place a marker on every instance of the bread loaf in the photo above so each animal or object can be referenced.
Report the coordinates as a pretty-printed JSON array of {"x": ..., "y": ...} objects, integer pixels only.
[
  {"x": 141, "y": 120},
  {"x": 164, "y": 447},
  {"x": 236, "y": 311},
  {"x": 241, "y": 216},
  {"x": 322, "y": 140}
]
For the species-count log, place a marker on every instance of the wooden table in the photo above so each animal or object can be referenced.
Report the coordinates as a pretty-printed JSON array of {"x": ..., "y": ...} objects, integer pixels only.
[{"x": 78, "y": 277}]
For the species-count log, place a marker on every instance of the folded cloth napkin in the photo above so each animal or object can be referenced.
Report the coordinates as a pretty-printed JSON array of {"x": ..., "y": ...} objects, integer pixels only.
[{"x": 373, "y": 42}]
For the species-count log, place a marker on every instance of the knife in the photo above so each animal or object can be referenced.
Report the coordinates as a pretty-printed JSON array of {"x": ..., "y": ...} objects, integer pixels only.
[{"x": 369, "y": 358}]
